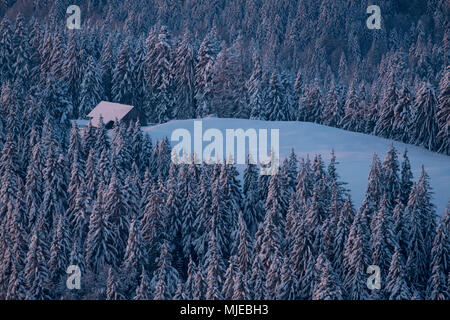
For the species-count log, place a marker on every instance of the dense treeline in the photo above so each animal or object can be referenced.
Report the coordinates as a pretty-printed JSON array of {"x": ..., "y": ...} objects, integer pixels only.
[
  {"x": 140, "y": 226},
  {"x": 283, "y": 60}
]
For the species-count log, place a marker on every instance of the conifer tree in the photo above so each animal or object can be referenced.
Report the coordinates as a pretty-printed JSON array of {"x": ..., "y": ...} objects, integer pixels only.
[
  {"x": 165, "y": 277},
  {"x": 116, "y": 210},
  {"x": 184, "y": 78},
  {"x": 406, "y": 179},
  {"x": 229, "y": 277},
  {"x": 422, "y": 229},
  {"x": 258, "y": 279},
  {"x": 214, "y": 269},
  {"x": 273, "y": 109},
  {"x": 389, "y": 100},
  {"x": 122, "y": 77},
  {"x": 424, "y": 117},
  {"x": 59, "y": 250},
  {"x": 383, "y": 239},
  {"x": 113, "y": 286},
  {"x": 36, "y": 271},
  {"x": 356, "y": 259},
  {"x": 255, "y": 90},
  {"x": 402, "y": 116},
  {"x": 100, "y": 250},
  {"x": 440, "y": 253},
  {"x": 143, "y": 292},
  {"x": 391, "y": 178},
  {"x": 443, "y": 113},
  {"x": 327, "y": 287},
  {"x": 397, "y": 287},
  {"x": 91, "y": 90}
]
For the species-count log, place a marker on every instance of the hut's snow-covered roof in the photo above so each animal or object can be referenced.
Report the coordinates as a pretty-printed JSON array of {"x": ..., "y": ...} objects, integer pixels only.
[{"x": 110, "y": 111}]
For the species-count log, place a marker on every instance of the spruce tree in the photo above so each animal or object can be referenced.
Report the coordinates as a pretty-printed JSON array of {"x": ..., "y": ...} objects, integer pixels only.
[
  {"x": 327, "y": 287},
  {"x": 424, "y": 118},
  {"x": 91, "y": 90},
  {"x": 165, "y": 276},
  {"x": 406, "y": 179},
  {"x": 397, "y": 287},
  {"x": 443, "y": 113},
  {"x": 440, "y": 264}
]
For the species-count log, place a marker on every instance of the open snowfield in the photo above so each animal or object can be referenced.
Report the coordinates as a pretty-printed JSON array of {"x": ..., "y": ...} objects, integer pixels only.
[{"x": 353, "y": 150}]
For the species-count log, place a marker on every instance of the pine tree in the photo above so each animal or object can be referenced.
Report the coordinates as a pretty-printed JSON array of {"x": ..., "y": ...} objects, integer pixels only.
[
  {"x": 6, "y": 51},
  {"x": 401, "y": 227},
  {"x": 59, "y": 250},
  {"x": 221, "y": 211},
  {"x": 252, "y": 207},
  {"x": 116, "y": 211},
  {"x": 91, "y": 90},
  {"x": 75, "y": 144},
  {"x": 228, "y": 282},
  {"x": 36, "y": 271},
  {"x": 17, "y": 229},
  {"x": 422, "y": 229},
  {"x": 374, "y": 190},
  {"x": 214, "y": 269},
  {"x": 165, "y": 277},
  {"x": 440, "y": 253},
  {"x": 277, "y": 202},
  {"x": 255, "y": 90},
  {"x": 384, "y": 126},
  {"x": 391, "y": 179},
  {"x": 356, "y": 259},
  {"x": 287, "y": 286},
  {"x": 304, "y": 183},
  {"x": 241, "y": 290},
  {"x": 406, "y": 179},
  {"x": 113, "y": 286},
  {"x": 100, "y": 250},
  {"x": 443, "y": 113},
  {"x": 258, "y": 279},
  {"x": 143, "y": 292},
  {"x": 206, "y": 56},
  {"x": 270, "y": 240},
  {"x": 273, "y": 109},
  {"x": 184, "y": 78},
  {"x": 122, "y": 77},
  {"x": 190, "y": 279},
  {"x": 162, "y": 82},
  {"x": 135, "y": 258},
  {"x": 383, "y": 239},
  {"x": 72, "y": 71},
  {"x": 244, "y": 249},
  {"x": 312, "y": 104},
  {"x": 351, "y": 120},
  {"x": 154, "y": 222},
  {"x": 397, "y": 287},
  {"x": 402, "y": 116},
  {"x": 327, "y": 287},
  {"x": 199, "y": 286},
  {"x": 201, "y": 223},
  {"x": 344, "y": 224},
  {"x": 424, "y": 117},
  {"x": 332, "y": 110},
  {"x": 139, "y": 79},
  {"x": 273, "y": 277},
  {"x": 179, "y": 294}
]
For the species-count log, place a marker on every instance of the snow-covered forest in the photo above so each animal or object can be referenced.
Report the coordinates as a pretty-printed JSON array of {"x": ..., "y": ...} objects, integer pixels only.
[{"x": 142, "y": 227}]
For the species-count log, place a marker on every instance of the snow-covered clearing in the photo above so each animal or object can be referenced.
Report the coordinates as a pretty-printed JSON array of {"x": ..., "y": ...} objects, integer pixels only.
[{"x": 354, "y": 151}]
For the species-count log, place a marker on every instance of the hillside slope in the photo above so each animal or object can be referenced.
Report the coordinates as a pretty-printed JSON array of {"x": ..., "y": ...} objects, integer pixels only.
[{"x": 354, "y": 151}]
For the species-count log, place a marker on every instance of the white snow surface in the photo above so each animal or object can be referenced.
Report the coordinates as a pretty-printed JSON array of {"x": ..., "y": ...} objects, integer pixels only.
[{"x": 354, "y": 151}]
